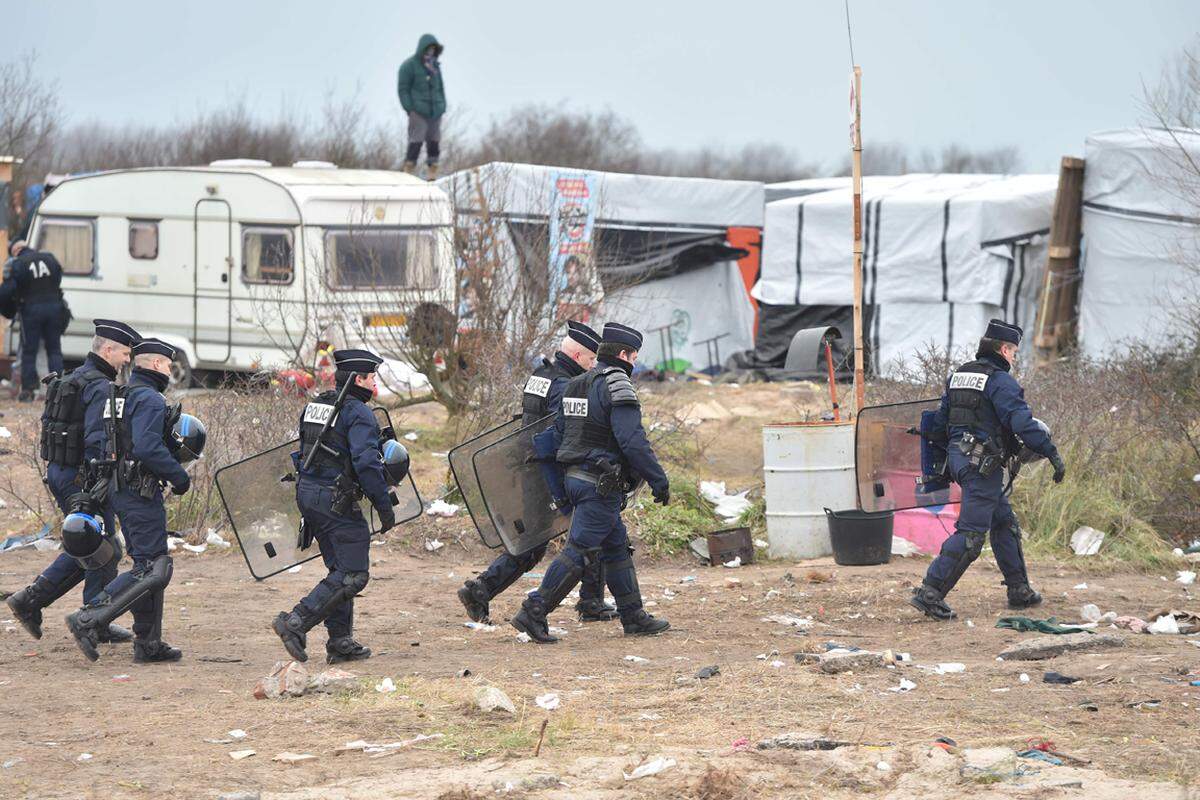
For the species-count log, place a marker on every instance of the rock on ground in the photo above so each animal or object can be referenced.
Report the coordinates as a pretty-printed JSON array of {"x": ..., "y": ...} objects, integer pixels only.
[{"x": 1037, "y": 648}]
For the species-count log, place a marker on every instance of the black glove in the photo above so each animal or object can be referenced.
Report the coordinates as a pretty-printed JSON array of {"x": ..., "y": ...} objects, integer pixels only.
[
  {"x": 387, "y": 518},
  {"x": 662, "y": 495},
  {"x": 183, "y": 486},
  {"x": 1060, "y": 469}
]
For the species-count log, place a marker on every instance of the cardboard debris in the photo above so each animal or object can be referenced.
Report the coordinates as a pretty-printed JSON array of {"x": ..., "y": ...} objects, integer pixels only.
[
  {"x": 1086, "y": 541},
  {"x": 294, "y": 758}
]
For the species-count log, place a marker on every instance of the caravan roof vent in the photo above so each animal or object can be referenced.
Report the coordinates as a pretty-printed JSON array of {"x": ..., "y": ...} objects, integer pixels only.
[
  {"x": 239, "y": 162},
  {"x": 315, "y": 165}
]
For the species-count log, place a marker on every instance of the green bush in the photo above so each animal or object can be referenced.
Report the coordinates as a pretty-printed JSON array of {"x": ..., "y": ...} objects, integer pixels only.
[{"x": 666, "y": 530}]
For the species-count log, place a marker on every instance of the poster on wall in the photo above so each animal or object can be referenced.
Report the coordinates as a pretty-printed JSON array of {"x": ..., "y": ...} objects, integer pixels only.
[{"x": 574, "y": 285}]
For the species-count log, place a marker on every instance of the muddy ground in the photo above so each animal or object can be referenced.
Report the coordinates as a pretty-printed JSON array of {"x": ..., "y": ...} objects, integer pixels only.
[{"x": 144, "y": 728}]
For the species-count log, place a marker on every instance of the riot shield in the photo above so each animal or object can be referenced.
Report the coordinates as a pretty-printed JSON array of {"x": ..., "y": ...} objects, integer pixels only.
[
  {"x": 896, "y": 465},
  {"x": 514, "y": 490},
  {"x": 464, "y": 475},
  {"x": 259, "y": 496}
]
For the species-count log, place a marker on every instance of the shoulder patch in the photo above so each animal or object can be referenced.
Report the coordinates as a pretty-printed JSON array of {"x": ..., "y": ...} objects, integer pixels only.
[
  {"x": 620, "y": 387},
  {"x": 538, "y": 386},
  {"x": 974, "y": 381},
  {"x": 317, "y": 413}
]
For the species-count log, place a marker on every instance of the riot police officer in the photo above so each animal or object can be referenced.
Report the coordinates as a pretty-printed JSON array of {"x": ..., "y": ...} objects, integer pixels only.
[
  {"x": 143, "y": 429},
  {"x": 541, "y": 396},
  {"x": 38, "y": 278},
  {"x": 347, "y": 465},
  {"x": 984, "y": 413},
  {"x": 72, "y": 436},
  {"x": 601, "y": 444}
]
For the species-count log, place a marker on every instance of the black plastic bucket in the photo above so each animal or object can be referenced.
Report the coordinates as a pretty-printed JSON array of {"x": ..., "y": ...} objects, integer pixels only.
[{"x": 860, "y": 538}]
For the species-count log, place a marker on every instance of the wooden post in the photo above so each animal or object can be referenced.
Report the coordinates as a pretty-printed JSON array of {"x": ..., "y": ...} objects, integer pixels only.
[
  {"x": 1060, "y": 289},
  {"x": 6, "y": 175},
  {"x": 856, "y": 147}
]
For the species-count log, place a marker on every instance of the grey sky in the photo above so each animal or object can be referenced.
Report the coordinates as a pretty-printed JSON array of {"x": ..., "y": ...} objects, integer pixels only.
[{"x": 1036, "y": 74}]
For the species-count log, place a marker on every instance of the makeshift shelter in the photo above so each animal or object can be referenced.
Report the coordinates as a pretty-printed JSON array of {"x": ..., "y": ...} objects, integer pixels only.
[
  {"x": 1141, "y": 238},
  {"x": 674, "y": 257},
  {"x": 942, "y": 255}
]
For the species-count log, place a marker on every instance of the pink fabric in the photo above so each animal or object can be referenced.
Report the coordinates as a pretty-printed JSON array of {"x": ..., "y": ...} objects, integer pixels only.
[{"x": 924, "y": 527}]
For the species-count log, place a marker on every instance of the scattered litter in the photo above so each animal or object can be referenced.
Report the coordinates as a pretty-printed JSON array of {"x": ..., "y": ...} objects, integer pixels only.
[
  {"x": 1024, "y": 678},
  {"x": 548, "y": 701},
  {"x": 479, "y": 626},
  {"x": 1135, "y": 624},
  {"x": 121, "y": 678},
  {"x": 905, "y": 686},
  {"x": 1079, "y": 586},
  {"x": 883, "y": 766},
  {"x": 433, "y": 545},
  {"x": 385, "y": 686},
  {"x": 294, "y": 758},
  {"x": 490, "y": 698},
  {"x": 776, "y": 664},
  {"x": 43, "y": 545},
  {"x": 729, "y": 507},
  {"x": 5, "y": 433},
  {"x": 1086, "y": 541},
  {"x": 1144, "y": 704},
  {"x": 688, "y": 579},
  {"x": 1038, "y": 755},
  {"x": 704, "y": 673},
  {"x": 970, "y": 624},
  {"x": 1088, "y": 705},
  {"x": 237, "y": 734},
  {"x": 1058, "y": 677},
  {"x": 556, "y": 631},
  {"x": 903, "y": 547},
  {"x": 765, "y": 656},
  {"x": 385, "y": 748},
  {"x": 463, "y": 673},
  {"x": 801, "y": 741},
  {"x": 650, "y": 717},
  {"x": 790, "y": 620},
  {"x": 28, "y": 540},
  {"x": 440, "y": 508},
  {"x": 12, "y": 762},
  {"x": 195, "y": 548},
  {"x": 1165, "y": 624},
  {"x": 741, "y": 744},
  {"x": 84, "y": 757},
  {"x": 216, "y": 539},
  {"x": 734, "y": 564},
  {"x": 295, "y": 569},
  {"x": 411, "y": 436},
  {"x": 220, "y": 659},
  {"x": 1028, "y": 624},
  {"x": 1090, "y": 613},
  {"x": 523, "y": 638},
  {"x": 660, "y": 764},
  {"x": 291, "y": 679},
  {"x": 845, "y": 660},
  {"x": 761, "y": 543},
  {"x": 1186, "y": 577},
  {"x": 637, "y": 659},
  {"x": 1187, "y": 621},
  {"x": 238, "y": 755}
]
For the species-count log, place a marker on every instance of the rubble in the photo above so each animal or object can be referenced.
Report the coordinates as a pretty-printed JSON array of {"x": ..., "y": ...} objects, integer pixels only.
[
  {"x": 839, "y": 660},
  {"x": 490, "y": 698},
  {"x": 1037, "y": 648}
]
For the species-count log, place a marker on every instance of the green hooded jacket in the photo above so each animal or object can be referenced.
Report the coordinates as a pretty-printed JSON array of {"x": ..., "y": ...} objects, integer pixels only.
[{"x": 419, "y": 90}]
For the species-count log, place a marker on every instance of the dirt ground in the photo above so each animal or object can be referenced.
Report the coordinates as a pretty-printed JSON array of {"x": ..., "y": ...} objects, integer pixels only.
[{"x": 151, "y": 731}]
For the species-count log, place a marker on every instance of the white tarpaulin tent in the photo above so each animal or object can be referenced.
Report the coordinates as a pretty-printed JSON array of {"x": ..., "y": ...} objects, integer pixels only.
[
  {"x": 942, "y": 255},
  {"x": 1141, "y": 228},
  {"x": 661, "y": 247}
]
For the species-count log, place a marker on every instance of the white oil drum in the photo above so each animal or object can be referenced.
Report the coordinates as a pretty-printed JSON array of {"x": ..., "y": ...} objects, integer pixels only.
[{"x": 807, "y": 467}]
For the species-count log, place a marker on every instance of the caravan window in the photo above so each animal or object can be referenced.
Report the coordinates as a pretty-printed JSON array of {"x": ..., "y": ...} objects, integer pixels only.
[
  {"x": 266, "y": 255},
  {"x": 71, "y": 241},
  {"x": 143, "y": 238},
  {"x": 398, "y": 258}
]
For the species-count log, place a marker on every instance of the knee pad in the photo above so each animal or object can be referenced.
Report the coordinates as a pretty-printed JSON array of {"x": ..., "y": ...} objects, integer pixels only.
[
  {"x": 568, "y": 569},
  {"x": 530, "y": 559},
  {"x": 355, "y": 582},
  {"x": 974, "y": 544}
]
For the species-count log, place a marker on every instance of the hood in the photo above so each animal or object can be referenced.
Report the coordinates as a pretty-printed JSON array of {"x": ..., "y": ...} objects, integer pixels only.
[{"x": 424, "y": 42}]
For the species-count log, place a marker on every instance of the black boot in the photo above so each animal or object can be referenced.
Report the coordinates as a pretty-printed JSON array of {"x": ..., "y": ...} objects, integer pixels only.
[
  {"x": 113, "y": 634},
  {"x": 474, "y": 596},
  {"x": 25, "y": 396},
  {"x": 1022, "y": 595},
  {"x": 930, "y": 602},
  {"x": 596, "y": 611},
  {"x": 531, "y": 620},
  {"x": 639, "y": 623},
  {"x": 344, "y": 648},
  {"x": 154, "y": 650},
  {"x": 26, "y": 606},
  {"x": 591, "y": 606},
  {"x": 85, "y": 634},
  {"x": 291, "y": 629}
]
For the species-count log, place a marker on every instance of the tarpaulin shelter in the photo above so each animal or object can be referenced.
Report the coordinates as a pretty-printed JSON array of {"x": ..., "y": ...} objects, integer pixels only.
[
  {"x": 1141, "y": 238},
  {"x": 675, "y": 257},
  {"x": 942, "y": 254}
]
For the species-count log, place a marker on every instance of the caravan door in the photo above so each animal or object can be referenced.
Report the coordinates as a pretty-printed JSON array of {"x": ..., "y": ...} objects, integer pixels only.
[{"x": 212, "y": 298}]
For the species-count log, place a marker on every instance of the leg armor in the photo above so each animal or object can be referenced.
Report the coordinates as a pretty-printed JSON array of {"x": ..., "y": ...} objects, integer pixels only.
[
  {"x": 621, "y": 576},
  {"x": 562, "y": 575},
  {"x": 146, "y": 577}
]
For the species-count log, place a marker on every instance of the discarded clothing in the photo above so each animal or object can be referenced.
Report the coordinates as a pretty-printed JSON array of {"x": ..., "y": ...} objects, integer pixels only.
[{"x": 1028, "y": 624}]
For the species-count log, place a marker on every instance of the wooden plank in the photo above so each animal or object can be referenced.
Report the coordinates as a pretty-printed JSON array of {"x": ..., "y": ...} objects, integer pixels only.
[{"x": 1055, "y": 329}]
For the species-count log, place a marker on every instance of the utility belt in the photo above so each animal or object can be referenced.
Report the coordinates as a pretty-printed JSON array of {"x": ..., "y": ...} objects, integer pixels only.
[
  {"x": 985, "y": 455},
  {"x": 134, "y": 477},
  {"x": 606, "y": 476},
  {"x": 346, "y": 492}
]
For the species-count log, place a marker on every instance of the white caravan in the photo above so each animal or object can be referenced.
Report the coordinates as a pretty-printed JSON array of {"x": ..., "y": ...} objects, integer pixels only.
[{"x": 244, "y": 266}]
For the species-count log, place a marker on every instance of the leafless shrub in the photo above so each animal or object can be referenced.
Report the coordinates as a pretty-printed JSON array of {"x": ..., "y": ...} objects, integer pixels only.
[{"x": 894, "y": 158}]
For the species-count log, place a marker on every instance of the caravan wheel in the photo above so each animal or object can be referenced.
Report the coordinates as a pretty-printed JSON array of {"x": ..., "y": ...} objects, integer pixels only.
[{"x": 181, "y": 371}]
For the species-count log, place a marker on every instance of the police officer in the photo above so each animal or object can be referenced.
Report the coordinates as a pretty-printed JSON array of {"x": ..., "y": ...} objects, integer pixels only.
[
  {"x": 601, "y": 443},
  {"x": 37, "y": 277},
  {"x": 72, "y": 437},
  {"x": 984, "y": 412},
  {"x": 542, "y": 395},
  {"x": 143, "y": 430},
  {"x": 347, "y": 466}
]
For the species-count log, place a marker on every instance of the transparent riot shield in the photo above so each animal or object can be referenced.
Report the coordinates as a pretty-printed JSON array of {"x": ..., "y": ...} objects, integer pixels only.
[
  {"x": 464, "y": 475},
  {"x": 406, "y": 500},
  {"x": 514, "y": 491},
  {"x": 259, "y": 496},
  {"x": 896, "y": 465}
]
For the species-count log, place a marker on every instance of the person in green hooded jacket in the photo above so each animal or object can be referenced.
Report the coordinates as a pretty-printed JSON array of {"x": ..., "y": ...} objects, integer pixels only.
[{"x": 423, "y": 96}]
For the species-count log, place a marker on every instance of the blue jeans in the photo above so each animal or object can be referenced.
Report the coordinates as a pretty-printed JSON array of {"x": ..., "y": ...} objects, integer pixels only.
[{"x": 40, "y": 322}]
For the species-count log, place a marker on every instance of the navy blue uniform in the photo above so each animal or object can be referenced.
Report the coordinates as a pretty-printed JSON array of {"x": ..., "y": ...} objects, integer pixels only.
[
  {"x": 345, "y": 539},
  {"x": 37, "y": 277},
  {"x": 64, "y": 479},
  {"x": 605, "y": 411},
  {"x": 993, "y": 411}
]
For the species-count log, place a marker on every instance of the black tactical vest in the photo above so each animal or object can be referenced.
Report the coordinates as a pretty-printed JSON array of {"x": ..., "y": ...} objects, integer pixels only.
[
  {"x": 585, "y": 428},
  {"x": 43, "y": 284},
  {"x": 537, "y": 388},
  {"x": 315, "y": 414},
  {"x": 967, "y": 399},
  {"x": 62, "y": 417}
]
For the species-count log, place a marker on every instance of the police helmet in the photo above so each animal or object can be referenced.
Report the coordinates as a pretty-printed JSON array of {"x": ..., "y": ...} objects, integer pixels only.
[
  {"x": 1026, "y": 455},
  {"x": 190, "y": 435},
  {"x": 83, "y": 539},
  {"x": 395, "y": 461}
]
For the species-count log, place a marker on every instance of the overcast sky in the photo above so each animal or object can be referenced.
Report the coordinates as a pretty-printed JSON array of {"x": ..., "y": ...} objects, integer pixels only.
[{"x": 1036, "y": 74}]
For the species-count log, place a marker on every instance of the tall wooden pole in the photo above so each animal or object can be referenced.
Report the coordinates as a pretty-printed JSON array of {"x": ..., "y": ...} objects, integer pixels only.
[{"x": 856, "y": 147}]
